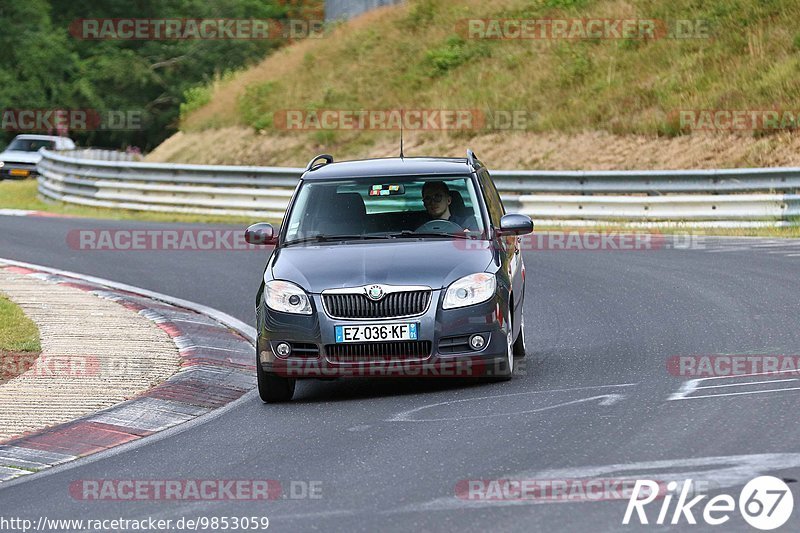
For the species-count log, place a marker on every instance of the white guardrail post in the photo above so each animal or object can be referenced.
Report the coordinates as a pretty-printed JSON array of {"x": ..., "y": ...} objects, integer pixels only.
[{"x": 104, "y": 178}]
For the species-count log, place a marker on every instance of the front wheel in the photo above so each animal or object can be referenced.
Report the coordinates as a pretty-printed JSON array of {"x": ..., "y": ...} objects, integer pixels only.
[{"x": 273, "y": 388}]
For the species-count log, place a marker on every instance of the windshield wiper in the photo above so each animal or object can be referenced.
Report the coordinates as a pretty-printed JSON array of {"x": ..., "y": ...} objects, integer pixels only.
[
  {"x": 409, "y": 233},
  {"x": 330, "y": 238}
]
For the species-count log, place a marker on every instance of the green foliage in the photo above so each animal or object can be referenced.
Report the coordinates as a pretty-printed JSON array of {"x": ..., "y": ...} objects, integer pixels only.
[
  {"x": 420, "y": 16},
  {"x": 17, "y": 332},
  {"x": 195, "y": 98},
  {"x": 44, "y": 66},
  {"x": 453, "y": 53},
  {"x": 575, "y": 64},
  {"x": 259, "y": 116},
  {"x": 566, "y": 4},
  {"x": 324, "y": 137},
  {"x": 737, "y": 54}
]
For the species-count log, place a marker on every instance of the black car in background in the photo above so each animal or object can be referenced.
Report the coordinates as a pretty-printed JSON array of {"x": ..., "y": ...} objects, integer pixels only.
[{"x": 398, "y": 266}]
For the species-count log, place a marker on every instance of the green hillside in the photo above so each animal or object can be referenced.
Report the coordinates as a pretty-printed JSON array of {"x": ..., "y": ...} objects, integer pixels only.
[{"x": 744, "y": 54}]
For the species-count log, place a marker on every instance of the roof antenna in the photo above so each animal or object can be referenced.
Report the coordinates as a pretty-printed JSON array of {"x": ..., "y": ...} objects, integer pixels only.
[{"x": 401, "y": 134}]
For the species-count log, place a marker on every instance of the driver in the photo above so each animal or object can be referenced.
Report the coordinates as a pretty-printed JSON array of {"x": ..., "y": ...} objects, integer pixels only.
[{"x": 436, "y": 198}]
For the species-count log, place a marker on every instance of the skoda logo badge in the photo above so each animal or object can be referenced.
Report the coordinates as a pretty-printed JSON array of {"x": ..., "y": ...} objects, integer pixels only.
[{"x": 375, "y": 292}]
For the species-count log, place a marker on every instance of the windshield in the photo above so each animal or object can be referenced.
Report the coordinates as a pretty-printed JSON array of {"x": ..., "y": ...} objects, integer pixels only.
[
  {"x": 30, "y": 145},
  {"x": 386, "y": 207}
]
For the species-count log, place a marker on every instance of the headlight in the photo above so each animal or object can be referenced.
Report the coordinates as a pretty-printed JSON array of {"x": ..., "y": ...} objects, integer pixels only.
[
  {"x": 286, "y": 297},
  {"x": 470, "y": 290}
]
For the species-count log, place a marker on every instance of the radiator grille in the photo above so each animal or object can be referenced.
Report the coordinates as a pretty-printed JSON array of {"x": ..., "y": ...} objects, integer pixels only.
[
  {"x": 393, "y": 305},
  {"x": 378, "y": 351}
]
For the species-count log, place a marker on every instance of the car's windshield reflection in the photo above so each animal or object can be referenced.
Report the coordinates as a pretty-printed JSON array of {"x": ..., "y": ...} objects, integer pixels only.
[{"x": 423, "y": 207}]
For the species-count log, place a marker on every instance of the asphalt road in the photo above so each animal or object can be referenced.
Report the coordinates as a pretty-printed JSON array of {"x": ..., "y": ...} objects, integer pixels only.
[{"x": 594, "y": 400}]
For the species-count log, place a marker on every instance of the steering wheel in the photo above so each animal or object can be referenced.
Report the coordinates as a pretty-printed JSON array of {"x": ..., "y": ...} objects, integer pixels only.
[{"x": 440, "y": 225}]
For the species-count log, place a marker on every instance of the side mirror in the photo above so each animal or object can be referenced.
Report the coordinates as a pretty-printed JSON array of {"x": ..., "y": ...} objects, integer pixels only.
[
  {"x": 515, "y": 225},
  {"x": 261, "y": 233}
]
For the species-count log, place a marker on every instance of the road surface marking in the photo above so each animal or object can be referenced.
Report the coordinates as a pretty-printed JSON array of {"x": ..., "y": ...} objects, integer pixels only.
[
  {"x": 720, "y": 472},
  {"x": 692, "y": 385},
  {"x": 746, "y": 383},
  {"x": 606, "y": 399}
]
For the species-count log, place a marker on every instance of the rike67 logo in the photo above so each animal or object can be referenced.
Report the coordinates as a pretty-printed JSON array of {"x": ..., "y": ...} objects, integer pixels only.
[{"x": 765, "y": 503}]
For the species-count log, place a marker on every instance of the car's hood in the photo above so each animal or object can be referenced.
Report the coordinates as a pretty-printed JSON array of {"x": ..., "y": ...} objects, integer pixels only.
[
  {"x": 20, "y": 157},
  {"x": 435, "y": 263}
]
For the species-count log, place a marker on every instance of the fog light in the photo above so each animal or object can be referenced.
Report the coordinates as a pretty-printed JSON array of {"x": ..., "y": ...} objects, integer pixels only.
[
  {"x": 476, "y": 342},
  {"x": 283, "y": 349}
]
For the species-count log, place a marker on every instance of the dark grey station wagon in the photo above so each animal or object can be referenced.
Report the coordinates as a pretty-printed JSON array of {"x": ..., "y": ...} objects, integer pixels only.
[{"x": 390, "y": 267}]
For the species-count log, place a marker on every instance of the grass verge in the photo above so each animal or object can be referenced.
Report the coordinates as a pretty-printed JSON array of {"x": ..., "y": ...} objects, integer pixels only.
[
  {"x": 23, "y": 195},
  {"x": 17, "y": 332}
]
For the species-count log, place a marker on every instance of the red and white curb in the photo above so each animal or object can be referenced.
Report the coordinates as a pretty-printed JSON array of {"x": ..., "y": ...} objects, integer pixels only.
[
  {"x": 29, "y": 213},
  {"x": 217, "y": 367}
]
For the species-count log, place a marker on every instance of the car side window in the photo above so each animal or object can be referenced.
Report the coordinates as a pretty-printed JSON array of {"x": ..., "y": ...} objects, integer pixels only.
[{"x": 492, "y": 198}]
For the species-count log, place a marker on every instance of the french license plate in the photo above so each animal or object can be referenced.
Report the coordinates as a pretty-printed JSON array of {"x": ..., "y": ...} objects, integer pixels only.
[{"x": 377, "y": 332}]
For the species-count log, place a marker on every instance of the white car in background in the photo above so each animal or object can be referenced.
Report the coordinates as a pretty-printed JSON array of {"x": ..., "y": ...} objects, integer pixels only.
[{"x": 19, "y": 159}]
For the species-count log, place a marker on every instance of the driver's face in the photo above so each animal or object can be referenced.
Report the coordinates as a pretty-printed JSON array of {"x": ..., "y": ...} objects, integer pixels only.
[{"x": 436, "y": 201}]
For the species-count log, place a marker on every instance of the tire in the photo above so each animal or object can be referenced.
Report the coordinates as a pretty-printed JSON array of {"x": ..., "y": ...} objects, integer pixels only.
[
  {"x": 519, "y": 343},
  {"x": 506, "y": 370},
  {"x": 272, "y": 388}
]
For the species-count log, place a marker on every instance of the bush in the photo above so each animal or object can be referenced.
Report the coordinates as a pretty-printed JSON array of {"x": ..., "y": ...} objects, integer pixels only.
[{"x": 453, "y": 53}]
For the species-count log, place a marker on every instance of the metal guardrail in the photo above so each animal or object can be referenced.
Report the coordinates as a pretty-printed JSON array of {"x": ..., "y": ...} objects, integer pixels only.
[
  {"x": 194, "y": 189},
  {"x": 728, "y": 196},
  {"x": 651, "y": 182},
  {"x": 104, "y": 155}
]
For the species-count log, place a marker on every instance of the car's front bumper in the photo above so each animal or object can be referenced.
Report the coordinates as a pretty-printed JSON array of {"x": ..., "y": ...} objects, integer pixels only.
[
  {"x": 17, "y": 171},
  {"x": 312, "y": 334}
]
